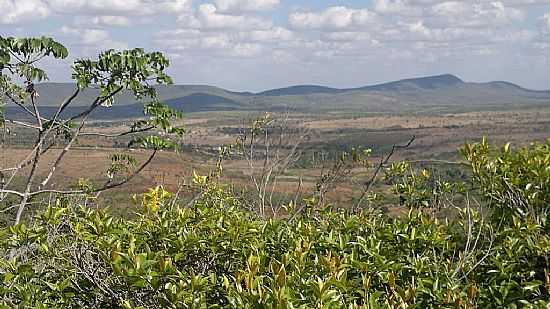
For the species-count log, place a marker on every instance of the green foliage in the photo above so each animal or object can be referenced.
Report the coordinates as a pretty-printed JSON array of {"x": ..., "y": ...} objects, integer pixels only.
[
  {"x": 421, "y": 189},
  {"x": 513, "y": 182},
  {"x": 126, "y": 70},
  {"x": 120, "y": 163},
  {"x": 153, "y": 142},
  {"x": 27, "y": 51},
  {"x": 215, "y": 255},
  {"x": 160, "y": 117}
]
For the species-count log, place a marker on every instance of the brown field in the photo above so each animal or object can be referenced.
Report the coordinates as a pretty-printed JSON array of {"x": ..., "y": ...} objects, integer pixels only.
[{"x": 437, "y": 137}]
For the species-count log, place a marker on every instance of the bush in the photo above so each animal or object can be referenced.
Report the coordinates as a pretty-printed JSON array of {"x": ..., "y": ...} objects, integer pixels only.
[
  {"x": 513, "y": 182},
  {"x": 216, "y": 255}
]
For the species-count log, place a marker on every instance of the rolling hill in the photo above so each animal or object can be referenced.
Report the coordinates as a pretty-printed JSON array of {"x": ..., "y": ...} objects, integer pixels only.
[{"x": 443, "y": 93}]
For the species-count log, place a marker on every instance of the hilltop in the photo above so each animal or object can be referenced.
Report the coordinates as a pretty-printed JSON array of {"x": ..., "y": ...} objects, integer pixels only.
[{"x": 438, "y": 93}]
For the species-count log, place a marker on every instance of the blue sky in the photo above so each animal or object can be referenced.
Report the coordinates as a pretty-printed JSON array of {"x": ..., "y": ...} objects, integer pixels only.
[{"x": 261, "y": 44}]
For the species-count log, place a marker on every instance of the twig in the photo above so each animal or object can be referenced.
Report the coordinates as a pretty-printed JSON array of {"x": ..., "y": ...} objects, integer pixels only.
[
  {"x": 383, "y": 161},
  {"x": 118, "y": 134}
]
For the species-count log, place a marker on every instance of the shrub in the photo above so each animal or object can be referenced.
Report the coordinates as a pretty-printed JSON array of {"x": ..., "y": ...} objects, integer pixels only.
[
  {"x": 513, "y": 182},
  {"x": 216, "y": 255}
]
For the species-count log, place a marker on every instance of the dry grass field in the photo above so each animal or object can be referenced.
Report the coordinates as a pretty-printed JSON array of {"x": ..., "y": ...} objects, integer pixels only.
[{"x": 438, "y": 136}]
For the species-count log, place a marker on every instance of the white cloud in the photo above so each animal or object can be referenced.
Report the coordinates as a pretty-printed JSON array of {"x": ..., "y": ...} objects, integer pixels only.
[
  {"x": 403, "y": 7},
  {"x": 239, "y": 6},
  {"x": 17, "y": 11},
  {"x": 459, "y": 13},
  {"x": 227, "y": 28},
  {"x": 345, "y": 36},
  {"x": 333, "y": 18},
  {"x": 524, "y": 2},
  {"x": 208, "y": 17},
  {"x": 94, "y": 36},
  {"x": 269, "y": 35},
  {"x": 246, "y": 43},
  {"x": 91, "y": 39},
  {"x": 545, "y": 23},
  {"x": 120, "y": 21},
  {"x": 400, "y": 6},
  {"x": 117, "y": 7},
  {"x": 246, "y": 50},
  {"x": 229, "y": 35}
]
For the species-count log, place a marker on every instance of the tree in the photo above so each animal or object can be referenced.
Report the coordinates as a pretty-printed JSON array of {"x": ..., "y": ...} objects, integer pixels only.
[
  {"x": 269, "y": 146},
  {"x": 134, "y": 71}
]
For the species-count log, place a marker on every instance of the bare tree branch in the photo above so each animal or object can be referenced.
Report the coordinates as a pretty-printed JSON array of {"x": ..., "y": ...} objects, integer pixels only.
[
  {"x": 22, "y": 124},
  {"x": 368, "y": 185},
  {"x": 117, "y": 134},
  {"x": 93, "y": 106}
]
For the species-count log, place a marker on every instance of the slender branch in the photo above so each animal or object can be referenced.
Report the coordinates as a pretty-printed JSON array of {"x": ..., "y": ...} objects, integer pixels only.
[
  {"x": 9, "y": 208},
  {"x": 30, "y": 179},
  {"x": 26, "y": 162},
  {"x": 26, "y": 195},
  {"x": 85, "y": 116},
  {"x": 36, "y": 111},
  {"x": 20, "y": 104},
  {"x": 14, "y": 55},
  {"x": 30, "y": 112},
  {"x": 108, "y": 186},
  {"x": 22, "y": 124},
  {"x": 118, "y": 134},
  {"x": 13, "y": 192},
  {"x": 37, "y": 59},
  {"x": 63, "y": 153},
  {"x": 383, "y": 161},
  {"x": 134, "y": 174},
  {"x": 64, "y": 105}
]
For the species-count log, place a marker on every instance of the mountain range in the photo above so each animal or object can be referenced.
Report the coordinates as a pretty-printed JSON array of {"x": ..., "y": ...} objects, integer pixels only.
[{"x": 440, "y": 93}]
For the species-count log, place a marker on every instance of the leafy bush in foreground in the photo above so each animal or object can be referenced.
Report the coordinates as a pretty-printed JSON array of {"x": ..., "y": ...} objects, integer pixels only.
[
  {"x": 514, "y": 182},
  {"x": 215, "y": 255}
]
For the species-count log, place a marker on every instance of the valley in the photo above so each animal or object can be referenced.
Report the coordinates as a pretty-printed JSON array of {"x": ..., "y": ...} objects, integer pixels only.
[{"x": 438, "y": 136}]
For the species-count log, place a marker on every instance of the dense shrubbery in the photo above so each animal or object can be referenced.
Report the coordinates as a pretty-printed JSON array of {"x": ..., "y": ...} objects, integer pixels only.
[
  {"x": 514, "y": 182},
  {"x": 215, "y": 254}
]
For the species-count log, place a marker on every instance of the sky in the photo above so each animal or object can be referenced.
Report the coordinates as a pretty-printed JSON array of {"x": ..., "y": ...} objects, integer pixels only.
[{"x": 253, "y": 45}]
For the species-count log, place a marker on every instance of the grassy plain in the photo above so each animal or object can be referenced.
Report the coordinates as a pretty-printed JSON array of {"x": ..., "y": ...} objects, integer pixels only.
[{"x": 438, "y": 137}]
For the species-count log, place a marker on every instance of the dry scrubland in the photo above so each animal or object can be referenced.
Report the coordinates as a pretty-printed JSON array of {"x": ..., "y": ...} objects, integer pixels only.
[{"x": 438, "y": 136}]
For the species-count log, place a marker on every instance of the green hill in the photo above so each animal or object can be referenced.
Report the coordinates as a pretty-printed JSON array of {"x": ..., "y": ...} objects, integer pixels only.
[{"x": 444, "y": 93}]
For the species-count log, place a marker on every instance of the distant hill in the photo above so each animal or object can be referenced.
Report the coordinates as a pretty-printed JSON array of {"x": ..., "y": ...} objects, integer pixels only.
[
  {"x": 197, "y": 102},
  {"x": 441, "y": 93},
  {"x": 300, "y": 90},
  {"x": 422, "y": 83}
]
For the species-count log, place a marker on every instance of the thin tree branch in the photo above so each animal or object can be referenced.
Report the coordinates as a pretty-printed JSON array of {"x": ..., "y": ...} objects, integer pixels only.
[
  {"x": 383, "y": 161},
  {"x": 118, "y": 134},
  {"x": 22, "y": 124},
  {"x": 134, "y": 174},
  {"x": 105, "y": 187},
  {"x": 13, "y": 192},
  {"x": 20, "y": 104},
  {"x": 36, "y": 111},
  {"x": 30, "y": 179},
  {"x": 85, "y": 116}
]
